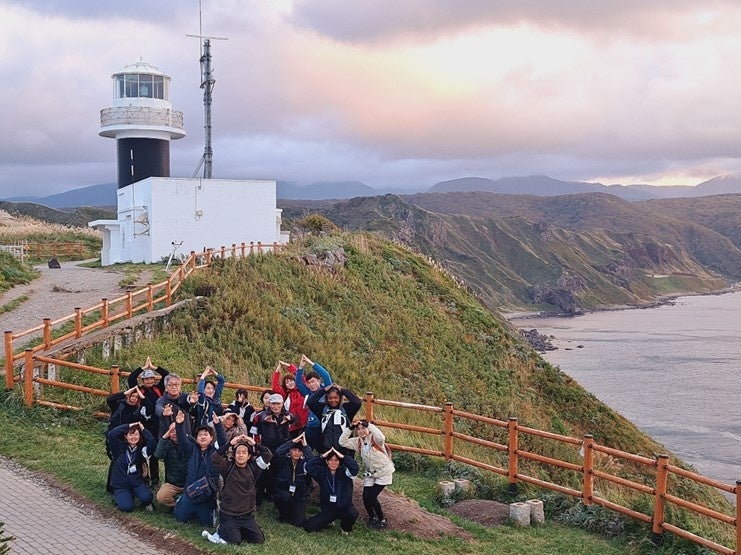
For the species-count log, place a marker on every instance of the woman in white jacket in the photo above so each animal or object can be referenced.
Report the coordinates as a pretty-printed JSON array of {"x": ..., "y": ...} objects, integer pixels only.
[{"x": 377, "y": 466}]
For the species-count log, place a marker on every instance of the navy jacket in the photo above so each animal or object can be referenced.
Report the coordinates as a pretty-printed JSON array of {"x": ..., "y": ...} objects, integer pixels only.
[
  {"x": 199, "y": 462},
  {"x": 286, "y": 475},
  {"x": 126, "y": 461},
  {"x": 339, "y": 485}
]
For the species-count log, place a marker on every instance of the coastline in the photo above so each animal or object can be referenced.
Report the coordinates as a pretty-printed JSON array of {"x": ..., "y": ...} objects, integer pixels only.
[{"x": 665, "y": 300}]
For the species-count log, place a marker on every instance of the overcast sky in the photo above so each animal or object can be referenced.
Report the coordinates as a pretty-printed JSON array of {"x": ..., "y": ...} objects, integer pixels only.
[{"x": 401, "y": 93}]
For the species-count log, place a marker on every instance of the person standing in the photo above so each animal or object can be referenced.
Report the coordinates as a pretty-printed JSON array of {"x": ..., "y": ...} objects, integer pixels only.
[
  {"x": 378, "y": 468},
  {"x": 307, "y": 383},
  {"x": 152, "y": 389}
]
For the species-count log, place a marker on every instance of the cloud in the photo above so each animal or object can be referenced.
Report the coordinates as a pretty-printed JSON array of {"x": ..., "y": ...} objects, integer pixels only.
[{"x": 382, "y": 92}]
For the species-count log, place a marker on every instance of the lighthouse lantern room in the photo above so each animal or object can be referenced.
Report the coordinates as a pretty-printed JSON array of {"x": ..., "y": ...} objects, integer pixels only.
[{"x": 142, "y": 121}]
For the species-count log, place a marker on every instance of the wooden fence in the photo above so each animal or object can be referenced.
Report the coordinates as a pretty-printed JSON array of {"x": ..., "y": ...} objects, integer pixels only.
[
  {"x": 585, "y": 447},
  {"x": 45, "y": 250},
  {"x": 108, "y": 311}
]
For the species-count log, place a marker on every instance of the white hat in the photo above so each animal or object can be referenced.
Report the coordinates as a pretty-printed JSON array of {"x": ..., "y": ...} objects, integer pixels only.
[{"x": 275, "y": 398}]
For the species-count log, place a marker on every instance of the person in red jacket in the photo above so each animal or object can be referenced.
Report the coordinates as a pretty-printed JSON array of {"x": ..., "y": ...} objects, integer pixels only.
[{"x": 295, "y": 401}]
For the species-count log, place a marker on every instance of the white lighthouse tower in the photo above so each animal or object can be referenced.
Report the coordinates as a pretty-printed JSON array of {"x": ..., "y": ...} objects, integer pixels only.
[{"x": 142, "y": 121}]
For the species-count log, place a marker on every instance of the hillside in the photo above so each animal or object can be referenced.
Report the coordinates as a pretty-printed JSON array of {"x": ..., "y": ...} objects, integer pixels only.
[
  {"x": 76, "y": 217},
  {"x": 560, "y": 253},
  {"x": 721, "y": 213},
  {"x": 380, "y": 319}
]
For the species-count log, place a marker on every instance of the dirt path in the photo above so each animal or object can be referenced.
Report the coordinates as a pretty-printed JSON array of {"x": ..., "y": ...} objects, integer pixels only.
[{"x": 57, "y": 292}]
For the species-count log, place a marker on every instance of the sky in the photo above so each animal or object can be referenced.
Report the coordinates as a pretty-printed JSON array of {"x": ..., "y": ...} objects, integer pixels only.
[{"x": 393, "y": 93}]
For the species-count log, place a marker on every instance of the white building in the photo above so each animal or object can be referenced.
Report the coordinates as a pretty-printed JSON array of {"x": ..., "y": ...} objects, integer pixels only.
[
  {"x": 156, "y": 212},
  {"x": 191, "y": 213}
]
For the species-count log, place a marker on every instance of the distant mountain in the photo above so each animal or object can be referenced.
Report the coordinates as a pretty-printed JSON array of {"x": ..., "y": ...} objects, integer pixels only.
[
  {"x": 564, "y": 252},
  {"x": 719, "y": 185},
  {"x": 93, "y": 195},
  {"x": 78, "y": 217},
  {"x": 325, "y": 190},
  {"x": 540, "y": 185}
]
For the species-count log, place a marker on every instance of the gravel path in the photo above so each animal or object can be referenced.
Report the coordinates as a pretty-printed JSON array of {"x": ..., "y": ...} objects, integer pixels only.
[{"x": 57, "y": 292}]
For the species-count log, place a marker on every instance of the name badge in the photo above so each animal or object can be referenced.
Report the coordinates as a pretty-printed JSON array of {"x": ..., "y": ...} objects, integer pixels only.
[
  {"x": 333, "y": 499},
  {"x": 292, "y": 489},
  {"x": 132, "y": 469}
]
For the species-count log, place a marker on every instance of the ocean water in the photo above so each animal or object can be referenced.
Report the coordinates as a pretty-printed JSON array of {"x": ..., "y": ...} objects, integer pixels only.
[{"x": 674, "y": 371}]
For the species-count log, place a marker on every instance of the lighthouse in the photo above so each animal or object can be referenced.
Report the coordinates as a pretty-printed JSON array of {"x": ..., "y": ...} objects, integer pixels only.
[
  {"x": 159, "y": 215},
  {"x": 142, "y": 121}
]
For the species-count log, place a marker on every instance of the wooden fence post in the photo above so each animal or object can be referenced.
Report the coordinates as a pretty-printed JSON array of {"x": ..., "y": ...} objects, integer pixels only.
[
  {"x": 243, "y": 246},
  {"x": 208, "y": 256},
  {"x": 168, "y": 292},
  {"x": 662, "y": 477},
  {"x": 47, "y": 334},
  {"x": 28, "y": 379},
  {"x": 115, "y": 372},
  {"x": 223, "y": 252},
  {"x": 448, "y": 430},
  {"x": 259, "y": 247},
  {"x": 78, "y": 322},
  {"x": 252, "y": 247},
  {"x": 512, "y": 450},
  {"x": 234, "y": 250},
  {"x": 588, "y": 472},
  {"x": 9, "y": 381},
  {"x": 192, "y": 260},
  {"x": 129, "y": 305},
  {"x": 104, "y": 313},
  {"x": 369, "y": 406},
  {"x": 150, "y": 298}
]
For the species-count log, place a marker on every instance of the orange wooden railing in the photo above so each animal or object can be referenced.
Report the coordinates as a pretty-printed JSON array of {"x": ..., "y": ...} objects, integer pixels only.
[
  {"x": 586, "y": 448},
  {"x": 43, "y": 250},
  {"x": 124, "y": 307}
]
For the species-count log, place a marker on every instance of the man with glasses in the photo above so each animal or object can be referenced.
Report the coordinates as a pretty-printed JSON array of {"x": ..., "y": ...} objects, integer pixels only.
[{"x": 172, "y": 402}]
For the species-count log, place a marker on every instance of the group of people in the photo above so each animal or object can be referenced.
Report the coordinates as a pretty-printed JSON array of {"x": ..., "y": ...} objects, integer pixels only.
[{"x": 222, "y": 461}]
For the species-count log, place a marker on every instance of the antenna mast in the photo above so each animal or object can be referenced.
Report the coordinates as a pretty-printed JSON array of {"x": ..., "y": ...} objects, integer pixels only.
[{"x": 207, "y": 84}]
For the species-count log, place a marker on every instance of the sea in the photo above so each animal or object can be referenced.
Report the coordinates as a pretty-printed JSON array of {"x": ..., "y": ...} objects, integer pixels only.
[{"x": 673, "y": 370}]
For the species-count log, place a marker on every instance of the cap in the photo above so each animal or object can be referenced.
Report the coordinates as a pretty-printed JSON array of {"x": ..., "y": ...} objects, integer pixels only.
[
  {"x": 275, "y": 398},
  {"x": 148, "y": 374}
]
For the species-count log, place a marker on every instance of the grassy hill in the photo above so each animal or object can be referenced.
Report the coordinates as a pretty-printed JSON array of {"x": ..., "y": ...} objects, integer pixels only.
[
  {"x": 385, "y": 320},
  {"x": 563, "y": 253}
]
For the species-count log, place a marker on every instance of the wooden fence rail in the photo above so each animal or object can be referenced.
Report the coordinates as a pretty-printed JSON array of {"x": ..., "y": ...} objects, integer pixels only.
[
  {"x": 584, "y": 450},
  {"x": 108, "y": 311}
]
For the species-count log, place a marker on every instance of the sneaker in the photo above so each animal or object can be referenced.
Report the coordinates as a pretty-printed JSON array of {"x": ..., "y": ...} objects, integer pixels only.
[
  {"x": 213, "y": 538},
  {"x": 149, "y": 508},
  {"x": 382, "y": 524},
  {"x": 372, "y": 522},
  {"x": 345, "y": 533}
]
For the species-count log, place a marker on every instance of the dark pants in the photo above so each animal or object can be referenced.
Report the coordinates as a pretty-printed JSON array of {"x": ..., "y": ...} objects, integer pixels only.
[
  {"x": 238, "y": 529},
  {"x": 125, "y": 497},
  {"x": 290, "y": 509},
  {"x": 313, "y": 437},
  {"x": 265, "y": 484},
  {"x": 347, "y": 516},
  {"x": 370, "y": 501},
  {"x": 186, "y": 510}
]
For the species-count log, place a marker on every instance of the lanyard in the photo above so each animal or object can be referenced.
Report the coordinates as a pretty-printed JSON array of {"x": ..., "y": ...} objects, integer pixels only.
[{"x": 332, "y": 483}]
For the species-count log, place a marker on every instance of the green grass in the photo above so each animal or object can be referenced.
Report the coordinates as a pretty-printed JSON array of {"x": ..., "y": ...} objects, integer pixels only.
[
  {"x": 70, "y": 448},
  {"x": 14, "y": 272},
  {"x": 12, "y": 305}
]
